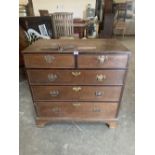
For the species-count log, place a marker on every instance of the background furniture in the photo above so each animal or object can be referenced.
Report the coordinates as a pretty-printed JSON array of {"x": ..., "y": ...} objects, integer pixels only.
[
  {"x": 107, "y": 31},
  {"x": 34, "y": 22},
  {"x": 120, "y": 13},
  {"x": 80, "y": 29},
  {"x": 82, "y": 85},
  {"x": 43, "y": 12},
  {"x": 80, "y": 26},
  {"x": 63, "y": 24},
  {"x": 99, "y": 9},
  {"x": 129, "y": 19},
  {"x": 92, "y": 28},
  {"x": 106, "y": 25},
  {"x": 106, "y": 12}
]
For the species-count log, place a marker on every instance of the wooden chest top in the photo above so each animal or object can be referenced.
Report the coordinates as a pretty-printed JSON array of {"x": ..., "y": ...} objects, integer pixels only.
[{"x": 68, "y": 46}]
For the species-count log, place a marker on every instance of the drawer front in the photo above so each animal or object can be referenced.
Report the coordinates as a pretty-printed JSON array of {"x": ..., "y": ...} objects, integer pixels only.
[
  {"x": 77, "y": 109},
  {"x": 48, "y": 61},
  {"x": 75, "y": 77},
  {"x": 76, "y": 93},
  {"x": 103, "y": 61}
]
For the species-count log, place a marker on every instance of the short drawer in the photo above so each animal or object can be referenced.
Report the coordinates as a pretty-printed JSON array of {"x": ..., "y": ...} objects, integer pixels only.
[
  {"x": 103, "y": 61},
  {"x": 77, "y": 109},
  {"x": 49, "y": 61},
  {"x": 76, "y": 93},
  {"x": 76, "y": 77}
]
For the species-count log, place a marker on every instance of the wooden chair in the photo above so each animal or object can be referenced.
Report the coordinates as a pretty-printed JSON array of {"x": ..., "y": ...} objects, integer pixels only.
[
  {"x": 63, "y": 25},
  {"x": 120, "y": 16},
  {"x": 43, "y": 12}
]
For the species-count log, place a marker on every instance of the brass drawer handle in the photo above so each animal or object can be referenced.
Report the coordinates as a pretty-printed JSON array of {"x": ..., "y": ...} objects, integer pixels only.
[
  {"x": 55, "y": 109},
  {"x": 98, "y": 93},
  {"x": 76, "y": 89},
  {"x": 54, "y": 93},
  {"x": 102, "y": 58},
  {"x": 100, "y": 77},
  {"x": 96, "y": 110},
  {"x": 52, "y": 77},
  {"x": 76, "y": 104},
  {"x": 49, "y": 58},
  {"x": 76, "y": 74}
]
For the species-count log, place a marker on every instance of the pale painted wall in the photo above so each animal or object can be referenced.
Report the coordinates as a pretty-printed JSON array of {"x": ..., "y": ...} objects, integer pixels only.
[
  {"x": 78, "y": 7},
  {"x": 122, "y": 1},
  {"x": 23, "y": 2}
]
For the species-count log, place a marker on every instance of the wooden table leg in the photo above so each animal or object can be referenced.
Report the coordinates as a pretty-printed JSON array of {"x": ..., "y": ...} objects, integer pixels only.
[
  {"x": 41, "y": 123},
  {"x": 112, "y": 124}
]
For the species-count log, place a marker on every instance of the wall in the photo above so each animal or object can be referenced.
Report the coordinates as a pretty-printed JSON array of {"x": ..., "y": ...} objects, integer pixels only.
[
  {"x": 23, "y": 2},
  {"x": 122, "y": 1},
  {"x": 78, "y": 7}
]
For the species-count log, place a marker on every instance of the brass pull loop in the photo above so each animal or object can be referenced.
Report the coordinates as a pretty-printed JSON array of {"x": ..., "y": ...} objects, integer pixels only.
[
  {"x": 52, "y": 77},
  {"x": 100, "y": 77},
  {"x": 76, "y": 89},
  {"x": 102, "y": 58},
  {"x": 49, "y": 58},
  {"x": 76, "y": 74},
  {"x": 54, "y": 93}
]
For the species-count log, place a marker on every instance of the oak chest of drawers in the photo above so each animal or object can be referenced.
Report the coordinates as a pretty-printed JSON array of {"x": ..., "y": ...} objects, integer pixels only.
[{"x": 76, "y": 80}]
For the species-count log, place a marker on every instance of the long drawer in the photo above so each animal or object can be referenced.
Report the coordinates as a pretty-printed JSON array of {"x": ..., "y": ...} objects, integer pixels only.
[
  {"x": 76, "y": 93},
  {"x": 76, "y": 77},
  {"x": 76, "y": 109},
  {"x": 49, "y": 61},
  {"x": 103, "y": 61}
]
